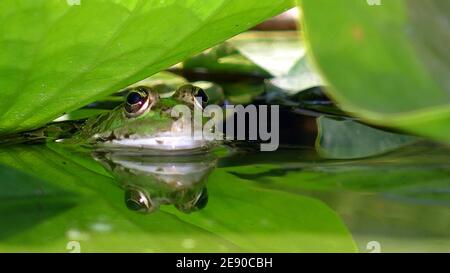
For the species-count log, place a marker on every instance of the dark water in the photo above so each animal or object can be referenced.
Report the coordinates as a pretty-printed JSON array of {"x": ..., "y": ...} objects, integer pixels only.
[{"x": 56, "y": 199}]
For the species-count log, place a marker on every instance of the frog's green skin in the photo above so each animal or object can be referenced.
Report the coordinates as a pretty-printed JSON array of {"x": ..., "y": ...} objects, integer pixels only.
[
  {"x": 150, "y": 181},
  {"x": 153, "y": 129}
]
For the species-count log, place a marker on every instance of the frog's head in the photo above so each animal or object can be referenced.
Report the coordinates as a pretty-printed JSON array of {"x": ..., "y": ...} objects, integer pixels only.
[
  {"x": 151, "y": 181},
  {"x": 145, "y": 121},
  {"x": 142, "y": 99},
  {"x": 138, "y": 199}
]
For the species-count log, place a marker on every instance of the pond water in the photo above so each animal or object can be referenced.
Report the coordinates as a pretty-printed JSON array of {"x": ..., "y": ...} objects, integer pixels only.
[{"x": 61, "y": 200}]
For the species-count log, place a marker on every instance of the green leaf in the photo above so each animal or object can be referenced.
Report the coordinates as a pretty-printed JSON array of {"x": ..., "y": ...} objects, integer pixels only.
[
  {"x": 270, "y": 221},
  {"x": 225, "y": 59},
  {"x": 55, "y": 58},
  {"x": 276, "y": 52},
  {"x": 299, "y": 78},
  {"x": 23, "y": 197},
  {"x": 400, "y": 199},
  {"x": 240, "y": 216},
  {"x": 347, "y": 139},
  {"x": 388, "y": 64},
  {"x": 282, "y": 54}
]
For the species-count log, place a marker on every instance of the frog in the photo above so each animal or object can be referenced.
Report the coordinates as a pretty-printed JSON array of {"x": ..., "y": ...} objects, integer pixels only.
[
  {"x": 150, "y": 182},
  {"x": 145, "y": 121}
]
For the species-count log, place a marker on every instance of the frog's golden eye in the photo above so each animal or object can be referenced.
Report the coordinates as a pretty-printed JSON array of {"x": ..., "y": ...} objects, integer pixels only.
[{"x": 138, "y": 101}]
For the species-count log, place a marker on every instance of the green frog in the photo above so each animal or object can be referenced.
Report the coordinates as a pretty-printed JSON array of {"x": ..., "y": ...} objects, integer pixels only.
[
  {"x": 145, "y": 122},
  {"x": 151, "y": 181}
]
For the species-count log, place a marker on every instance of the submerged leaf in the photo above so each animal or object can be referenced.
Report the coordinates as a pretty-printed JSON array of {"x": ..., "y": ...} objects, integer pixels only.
[{"x": 347, "y": 139}]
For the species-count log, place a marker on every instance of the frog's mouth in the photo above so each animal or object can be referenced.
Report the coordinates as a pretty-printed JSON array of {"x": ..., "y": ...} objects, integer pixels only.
[{"x": 160, "y": 142}]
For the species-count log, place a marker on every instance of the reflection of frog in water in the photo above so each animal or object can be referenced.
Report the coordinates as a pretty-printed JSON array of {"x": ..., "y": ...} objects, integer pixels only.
[{"x": 151, "y": 181}]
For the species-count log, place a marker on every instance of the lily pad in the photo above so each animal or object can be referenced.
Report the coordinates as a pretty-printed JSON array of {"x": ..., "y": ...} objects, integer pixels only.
[
  {"x": 388, "y": 63},
  {"x": 55, "y": 57},
  {"x": 239, "y": 217}
]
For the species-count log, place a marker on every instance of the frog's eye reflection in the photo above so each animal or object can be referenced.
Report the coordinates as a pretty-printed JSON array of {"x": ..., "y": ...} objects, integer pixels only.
[
  {"x": 139, "y": 201},
  {"x": 137, "y": 102},
  {"x": 198, "y": 203},
  {"x": 202, "y": 199}
]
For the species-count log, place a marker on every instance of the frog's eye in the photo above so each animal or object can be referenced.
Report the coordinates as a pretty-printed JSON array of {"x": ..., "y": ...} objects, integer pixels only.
[
  {"x": 137, "y": 200},
  {"x": 138, "y": 101},
  {"x": 192, "y": 94},
  {"x": 201, "y": 97}
]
